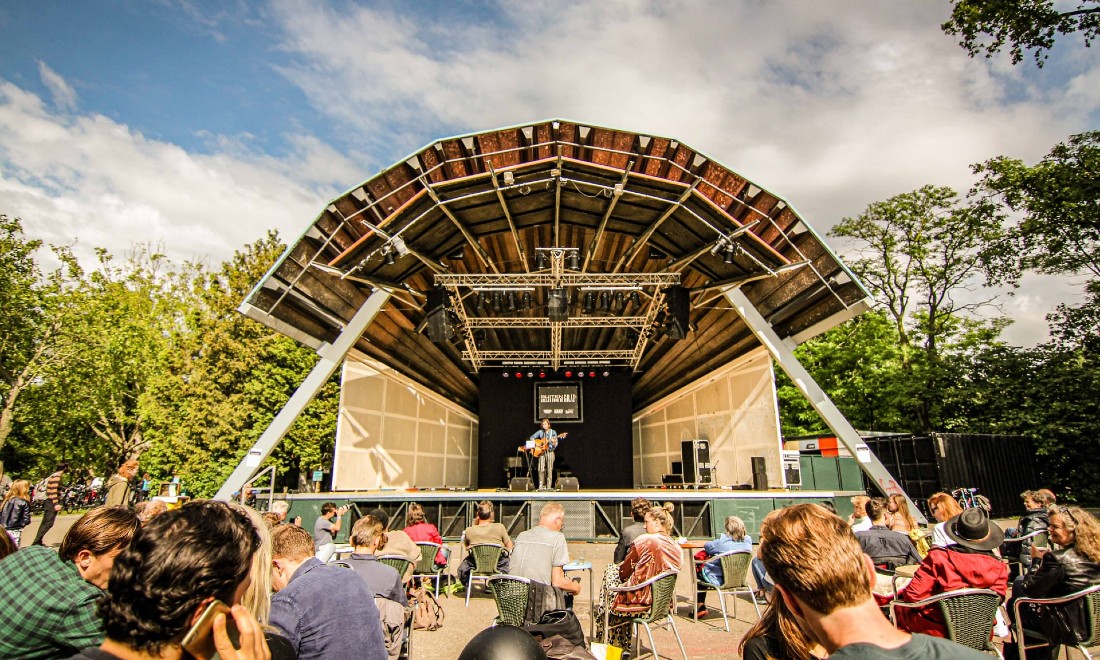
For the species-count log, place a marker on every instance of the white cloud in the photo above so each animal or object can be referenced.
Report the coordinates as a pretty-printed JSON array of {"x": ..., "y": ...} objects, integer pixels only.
[
  {"x": 64, "y": 96},
  {"x": 92, "y": 180}
]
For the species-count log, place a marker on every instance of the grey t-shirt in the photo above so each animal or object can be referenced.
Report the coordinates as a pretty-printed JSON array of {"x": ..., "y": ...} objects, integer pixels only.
[
  {"x": 920, "y": 647},
  {"x": 322, "y": 532},
  {"x": 537, "y": 551}
]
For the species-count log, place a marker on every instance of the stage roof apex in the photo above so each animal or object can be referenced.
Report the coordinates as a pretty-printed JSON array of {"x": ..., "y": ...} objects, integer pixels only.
[{"x": 556, "y": 244}]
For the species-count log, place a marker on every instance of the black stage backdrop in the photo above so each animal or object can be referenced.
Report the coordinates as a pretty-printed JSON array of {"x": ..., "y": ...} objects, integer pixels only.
[{"x": 598, "y": 450}]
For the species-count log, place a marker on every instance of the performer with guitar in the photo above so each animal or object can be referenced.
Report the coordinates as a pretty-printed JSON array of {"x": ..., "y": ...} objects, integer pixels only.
[{"x": 546, "y": 441}]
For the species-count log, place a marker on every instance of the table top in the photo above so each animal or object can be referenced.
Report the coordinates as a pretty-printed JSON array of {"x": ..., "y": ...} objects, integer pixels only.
[{"x": 578, "y": 565}]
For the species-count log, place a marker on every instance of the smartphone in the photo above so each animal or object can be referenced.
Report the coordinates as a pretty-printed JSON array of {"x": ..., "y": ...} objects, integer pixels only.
[{"x": 199, "y": 640}]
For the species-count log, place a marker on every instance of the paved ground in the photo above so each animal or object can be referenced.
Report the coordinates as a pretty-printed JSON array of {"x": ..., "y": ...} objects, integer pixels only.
[{"x": 704, "y": 640}]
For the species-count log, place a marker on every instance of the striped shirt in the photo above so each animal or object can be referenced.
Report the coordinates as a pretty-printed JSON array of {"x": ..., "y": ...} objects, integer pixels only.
[{"x": 53, "y": 485}]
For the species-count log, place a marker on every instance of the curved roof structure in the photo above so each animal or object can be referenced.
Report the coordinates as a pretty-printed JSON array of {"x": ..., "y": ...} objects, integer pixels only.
[{"x": 556, "y": 244}]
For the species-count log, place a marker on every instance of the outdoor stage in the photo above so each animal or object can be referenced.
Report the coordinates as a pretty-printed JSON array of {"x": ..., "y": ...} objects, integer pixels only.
[{"x": 591, "y": 515}]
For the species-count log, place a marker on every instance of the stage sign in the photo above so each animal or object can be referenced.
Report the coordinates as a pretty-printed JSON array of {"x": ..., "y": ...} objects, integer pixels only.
[{"x": 558, "y": 401}]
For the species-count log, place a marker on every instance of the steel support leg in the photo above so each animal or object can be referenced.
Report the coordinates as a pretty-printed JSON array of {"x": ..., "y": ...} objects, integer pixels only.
[
  {"x": 331, "y": 357},
  {"x": 820, "y": 401}
]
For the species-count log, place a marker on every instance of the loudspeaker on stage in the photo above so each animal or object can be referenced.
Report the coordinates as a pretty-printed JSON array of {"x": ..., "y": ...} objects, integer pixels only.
[{"x": 521, "y": 484}]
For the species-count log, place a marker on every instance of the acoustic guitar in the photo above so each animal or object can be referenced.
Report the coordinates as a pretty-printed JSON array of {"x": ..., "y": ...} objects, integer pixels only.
[{"x": 542, "y": 445}]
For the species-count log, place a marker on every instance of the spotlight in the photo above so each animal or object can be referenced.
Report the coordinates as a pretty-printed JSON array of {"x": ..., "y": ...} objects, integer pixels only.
[
  {"x": 618, "y": 301},
  {"x": 568, "y": 374},
  {"x": 496, "y": 301},
  {"x": 506, "y": 374},
  {"x": 731, "y": 252},
  {"x": 573, "y": 261},
  {"x": 530, "y": 374},
  {"x": 542, "y": 262},
  {"x": 388, "y": 256},
  {"x": 602, "y": 301},
  {"x": 636, "y": 299},
  {"x": 542, "y": 374},
  {"x": 519, "y": 375},
  {"x": 527, "y": 301},
  {"x": 589, "y": 302},
  {"x": 606, "y": 374},
  {"x": 580, "y": 374},
  {"x": 511, "y": 301},
  {"x": 477, "y": 301},
  {"x": 591, "y": 374}
]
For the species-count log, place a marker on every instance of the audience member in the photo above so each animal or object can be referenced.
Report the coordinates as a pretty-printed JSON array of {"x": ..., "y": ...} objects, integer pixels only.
[
  {"x": 175, "y": 568},
  {"x": 859, "y": 520},
  {"x": 316, "y": 607},
  {"x": 967, "y": 563},
  {"x": 1035, "y": 519},
  {"x": 898, "y": 516},
  {"x": 271, "y": 519},
  {"x": 281, "y": 508},
  {"x": 149, "y": 509},
  {"x": 1047, "y": 496},
  {"x": 7, "y": 544},
  {"x": 540, "y": 554},
  {"x": 325, "y": 529},
  {"x": 735, "y": 539},
  {"x": 825, "y": 581},
  {"x": 398, "y": 543},
  {"x": 1074, "y": 567},
  {"x": 886, "y": 548},
  {"x": 639, "y": 506},
  {"x": 419, "y": 529},
  {"x": 828, "y": 506},
  {"x": 777, "y": 636},
  {"x": 759, "y": 572},
  {"x": 49, "y": 604},
  {"x": 943, "y": 507},
  {"x": 15, "y": 514},
  {"x": 484, "y": 530},
  {"x": 52, "y": 503},
  {"x": 367, "y": 538},
  {"x": 650, "y": 555},
  {"x": 120, "y": 491}
]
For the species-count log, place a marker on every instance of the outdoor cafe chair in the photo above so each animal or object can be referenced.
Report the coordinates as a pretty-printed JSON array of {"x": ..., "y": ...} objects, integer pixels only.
[
  {"x": 427, "y": 566},
  {"x": 969, "y": 615},
  {"x": 486, "y": 556},
  {"x": 510, "y": 593},
  {"x": 659, "y": 612},
  {"x": 1091, "y": 603},
  {"x": 735, "y": 569}
]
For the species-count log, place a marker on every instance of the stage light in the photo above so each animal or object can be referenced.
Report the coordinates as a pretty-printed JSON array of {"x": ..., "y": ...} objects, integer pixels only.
[
  {"x": 606, "y": 374},
  {"x": 731, "y": 252},
  {"x": 506, "y": 374},
  {"x": 591, "y": 374},
  {"x": 542, "y": 374},
  {"x": 530, "y": 374},
  {"x": 511, "y": 301},
  {"x": 568, "y": 374},
  {"x": 388, "y": 256},
  {"x": 573, "y": 261},
  {"x": 580, "y": 374},
  {"x": 618, "y": 302},
  {"x": 519, "y": 375},
  {"x": 542, "y": 262},
  {"x": 590, "y": 302},
  {"x": 636, "y": 299},
  {"x": 527, "y": 301}
]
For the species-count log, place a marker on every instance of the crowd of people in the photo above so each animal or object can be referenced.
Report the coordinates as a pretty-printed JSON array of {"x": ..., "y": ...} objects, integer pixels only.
[{"x": 209, "y": 578}]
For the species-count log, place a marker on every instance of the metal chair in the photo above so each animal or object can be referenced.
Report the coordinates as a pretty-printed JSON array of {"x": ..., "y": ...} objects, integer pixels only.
[
  {"x": 426, "y": 566},
  {"x": 735, "y": 570},
  {"x": 399, "y": 563},
  {"x": 1042, "y": 539},
  {"x": 664, "y": 592},
  {"x": 486, "y": 556},
  {"x": 1091, "y": 603},
  {"x": 969, "y": 615},
  {"x": 510, "y": 593}
]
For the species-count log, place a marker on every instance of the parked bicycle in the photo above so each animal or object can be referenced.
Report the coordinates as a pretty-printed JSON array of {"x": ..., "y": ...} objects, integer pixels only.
[{"x": 968, "y": 498}]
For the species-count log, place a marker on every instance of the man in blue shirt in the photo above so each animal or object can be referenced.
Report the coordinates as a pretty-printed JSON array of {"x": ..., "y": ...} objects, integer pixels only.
[{"x": 318, "y": 608}]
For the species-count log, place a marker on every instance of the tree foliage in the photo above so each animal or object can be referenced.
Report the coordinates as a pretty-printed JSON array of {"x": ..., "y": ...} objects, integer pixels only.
[{"x": 986, "y": 26}]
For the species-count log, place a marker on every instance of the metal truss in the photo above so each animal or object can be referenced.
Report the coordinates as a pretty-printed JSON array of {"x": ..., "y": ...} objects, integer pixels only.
[
  {"x": 550, "y": 279},
  {"x": 548, "y": 356},
  {"x": 544, "y": 322}
]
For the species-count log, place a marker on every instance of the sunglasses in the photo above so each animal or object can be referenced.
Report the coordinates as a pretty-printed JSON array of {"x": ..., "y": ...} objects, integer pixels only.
[{"x": 1064, "y": 511}]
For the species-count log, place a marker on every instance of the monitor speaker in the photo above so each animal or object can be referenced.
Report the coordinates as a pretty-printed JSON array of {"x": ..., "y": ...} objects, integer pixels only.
[
  {"x": 521, "y": 484},
  {"x": 568, "y": 484}
]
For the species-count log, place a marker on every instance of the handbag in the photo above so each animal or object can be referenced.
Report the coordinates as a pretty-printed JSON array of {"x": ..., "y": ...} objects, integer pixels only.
[
  {"x": 557, "y": 646},
  {"x": 563, "y": 623}
]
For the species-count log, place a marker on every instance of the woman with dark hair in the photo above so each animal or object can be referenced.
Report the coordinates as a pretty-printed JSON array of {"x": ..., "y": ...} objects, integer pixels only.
[
  {"x": 15, "y": 513},
  {"x": 173, "y": 570},
  {"x": 419, "y": 529},
  {"x": 777, "y": 636}
]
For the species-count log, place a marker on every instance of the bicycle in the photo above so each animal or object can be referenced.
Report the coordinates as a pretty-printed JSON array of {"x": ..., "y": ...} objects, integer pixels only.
[{"x": 968, "y": 498}]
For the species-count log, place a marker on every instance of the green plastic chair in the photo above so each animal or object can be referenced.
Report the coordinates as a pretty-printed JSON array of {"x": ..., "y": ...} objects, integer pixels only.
[
  {"x": 659, "y": 612},
  {"x": 426, "y": 566},
  {"x": 510, "y": 593},
  {"x": 1091, "y": 598},
  {"x": 735, "y": 570},
  {"x": 399, "y": 563},
  {"x": 969, "y": 615},
  {"x": 486, "y": 556}
]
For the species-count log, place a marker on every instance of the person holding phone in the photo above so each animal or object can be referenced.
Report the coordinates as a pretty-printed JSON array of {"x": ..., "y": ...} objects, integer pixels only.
[
  {"x": 325, "y": 528},
  {"x": 176, "y": 591}
]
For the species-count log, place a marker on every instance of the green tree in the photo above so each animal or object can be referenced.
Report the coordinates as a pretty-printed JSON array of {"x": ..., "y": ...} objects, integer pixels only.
[
  {"x": 985, "y": 26},
  {"x": 920, "y": 255}
]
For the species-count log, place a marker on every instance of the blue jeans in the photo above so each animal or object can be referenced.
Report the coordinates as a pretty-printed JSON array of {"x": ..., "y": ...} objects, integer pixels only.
[{"x": 759, "y": 574}]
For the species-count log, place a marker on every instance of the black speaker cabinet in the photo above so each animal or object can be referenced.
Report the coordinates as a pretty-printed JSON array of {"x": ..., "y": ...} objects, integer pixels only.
[
  {"x": 759, "y": 473},
  {"x": 679, "y": 309},
  {"x": 521, "y": 484},
  {"x": 568, "y": 484},
  {"x": 695, "y": 455}
]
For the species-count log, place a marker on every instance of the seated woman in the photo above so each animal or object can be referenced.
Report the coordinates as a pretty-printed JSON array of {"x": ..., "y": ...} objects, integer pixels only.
[
  {"x": 778, "y": 635},
  {"x": 898, "y": 517},
  {"x": 735, "y": 539},
  {"x": 651, "y": 554},
  {"x": 1074, "y": 567},
  {"x": 943, "y": 507},
  {"x": 968, "y": 562},
  {"x": 419, "y": 529}
]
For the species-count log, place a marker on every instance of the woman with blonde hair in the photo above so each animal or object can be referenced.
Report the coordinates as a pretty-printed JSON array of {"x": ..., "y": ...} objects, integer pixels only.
[
  {"x": 943, "y": 507},
  {"x": 257, "y": 596},
  {"x": 900, "y": 519},
  {"x": 735, "y": 539},
  {"x": 15, "y": 514}
]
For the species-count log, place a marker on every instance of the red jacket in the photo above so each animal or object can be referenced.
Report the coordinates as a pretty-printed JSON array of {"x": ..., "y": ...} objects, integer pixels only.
[
  {"x": 947, "y": 569},
  {"x": 425, "y": 531}
]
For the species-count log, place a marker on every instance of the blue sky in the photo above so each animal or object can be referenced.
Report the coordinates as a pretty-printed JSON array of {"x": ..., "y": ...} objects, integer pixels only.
[{"x": 200, "y": 125}]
